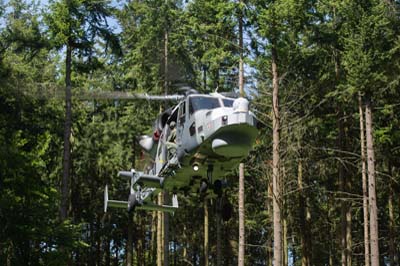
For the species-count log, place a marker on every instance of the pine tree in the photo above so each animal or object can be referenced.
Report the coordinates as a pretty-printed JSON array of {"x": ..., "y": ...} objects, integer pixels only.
[{"x": 67, "y": 23}]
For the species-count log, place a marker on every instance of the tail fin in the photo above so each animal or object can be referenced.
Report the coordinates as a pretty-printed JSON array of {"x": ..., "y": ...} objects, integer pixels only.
[
  {"x": 113, "y": 203},
  {"x": 105, "y": 198}
]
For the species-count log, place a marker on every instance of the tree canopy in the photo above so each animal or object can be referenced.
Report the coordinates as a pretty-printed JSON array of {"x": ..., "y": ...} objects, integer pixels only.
[{"x": 329, "y": 60}]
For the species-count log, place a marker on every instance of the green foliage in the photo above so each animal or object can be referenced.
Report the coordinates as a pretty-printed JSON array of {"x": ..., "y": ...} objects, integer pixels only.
[{"x": 328, "y": 52}]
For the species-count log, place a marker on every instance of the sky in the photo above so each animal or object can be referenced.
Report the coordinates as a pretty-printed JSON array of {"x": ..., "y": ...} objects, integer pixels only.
[{"x": 113, "y": 23}]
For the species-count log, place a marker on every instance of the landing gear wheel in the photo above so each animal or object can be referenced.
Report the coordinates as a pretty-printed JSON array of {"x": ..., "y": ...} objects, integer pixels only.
[
  {"x": 203, "y": 187},
  {"x": 218, "y": 188}
]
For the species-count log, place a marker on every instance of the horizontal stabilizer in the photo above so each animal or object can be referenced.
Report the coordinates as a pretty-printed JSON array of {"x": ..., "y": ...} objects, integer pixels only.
[
  {"x": 118, "y": 204},
  {"x": 142, "y": 179},
  {"x": 129, "y": 174},
  {"x": 149, "y": 181}
]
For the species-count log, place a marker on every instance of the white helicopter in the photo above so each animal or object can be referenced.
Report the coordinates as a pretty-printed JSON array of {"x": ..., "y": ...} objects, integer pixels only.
[{"x": 194, "y": 145}]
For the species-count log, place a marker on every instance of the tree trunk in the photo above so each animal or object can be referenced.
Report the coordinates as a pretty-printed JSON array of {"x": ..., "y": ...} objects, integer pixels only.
[
  {"x": 165, "y": 220},
  {"x": 206, "y": 232},
  {"x": 205, "y": 78},
  {"x": 269, "y": 238},
  {"x": 241, "y": 216},
  {"x": 67, "y": 135},
  {"x": 276, "y": 162},
  {"x": 349, "y": 238},
  {"x": 139, "y": 242},
  {"x": 304, "y": 219},
  {"x": 345, "y": 187},
  {"x": 166, "y": 63},
  {"x": 218, "y": 217},
  {"x": 372, "y": 189},
  {"x": 304, "y": 259},
  {"x": 107, "y": 255},
  {"x": 129, "y": 242},
  {"x": 285, "y": 247},
  {"x": 392, "y": 224},
  {"x": 153, "y": 254},
  {"x": 364, "y": 184},
  {"x": 165, "y": 235},
  {"x": 76, "y": 211},
  {"x": 194, "y": 257},
  {"x": 159, "y": 232},
  {"x": 241, "y": 166},
  {"x": 99, "y": 252},
  {"x": 285, "y": 243},
  {"x": 10, "y": 252},
  {"x": 184, "y": 255}
]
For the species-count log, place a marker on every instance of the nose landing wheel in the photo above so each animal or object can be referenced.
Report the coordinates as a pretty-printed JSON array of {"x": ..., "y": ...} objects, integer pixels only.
[
  {"x": 132, "y": 202},
  {"x": 218, "y": 188}
]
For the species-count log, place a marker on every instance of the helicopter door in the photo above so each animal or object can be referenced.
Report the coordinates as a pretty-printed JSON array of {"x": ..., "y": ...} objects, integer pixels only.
[{"x": 181, "y": 123}]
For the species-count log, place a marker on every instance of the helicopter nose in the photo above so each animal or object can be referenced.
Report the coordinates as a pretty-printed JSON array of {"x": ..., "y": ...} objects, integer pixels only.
[
  {"x": 241, "y": 105},
  {"x": 229, "y": 147}
]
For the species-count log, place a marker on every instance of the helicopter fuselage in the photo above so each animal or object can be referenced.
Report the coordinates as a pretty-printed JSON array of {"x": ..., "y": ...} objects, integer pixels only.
[
  {"x": 213, "y": 134},
  {"x": 194, "y": 146}
]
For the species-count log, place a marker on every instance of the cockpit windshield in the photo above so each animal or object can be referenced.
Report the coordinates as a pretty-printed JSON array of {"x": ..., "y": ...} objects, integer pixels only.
[
  {"x": 227, "y": 102},
  {"x": 200, "y": 103}
]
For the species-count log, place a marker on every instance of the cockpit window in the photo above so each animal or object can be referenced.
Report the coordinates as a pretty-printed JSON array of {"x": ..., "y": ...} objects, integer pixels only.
[
  {"x": 201, "y": 103},
  {"x": 227, "y": 102}
]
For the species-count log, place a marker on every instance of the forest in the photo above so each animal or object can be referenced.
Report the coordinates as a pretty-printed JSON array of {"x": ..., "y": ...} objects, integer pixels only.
[{"x": 321, "y": 185}]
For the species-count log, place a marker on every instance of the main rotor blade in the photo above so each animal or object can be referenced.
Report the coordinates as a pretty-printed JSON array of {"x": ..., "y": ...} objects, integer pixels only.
[
  {"x": 119, "y": 95},
  {"x": 49, "y": 91}
]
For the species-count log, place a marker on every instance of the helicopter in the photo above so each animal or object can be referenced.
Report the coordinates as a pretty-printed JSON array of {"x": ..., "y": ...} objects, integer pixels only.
[{"x": 193, "y": 145}]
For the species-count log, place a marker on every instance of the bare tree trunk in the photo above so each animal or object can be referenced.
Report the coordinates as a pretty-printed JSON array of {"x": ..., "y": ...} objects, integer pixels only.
[
  {"x": 159, "y": 232},
  {"x": 241, "y": 166},
  {"x": 332, "y": 230},
  {"x": 269, "y": 238},
  {"x": 241, "y": 216},
  {"x": 165, "y": 220},
  {"x": 129, "y": 242},
  {"x": 364, "y": 184},
  {"x": 348, "y": 188},
  {"x": 140, "y": 242},
  {"x": 184, "y": 255},
  {"x": 194, "y": 256},
  {"x": 285, "y": 243},
  {"x": 345, "y": 186},
  {"x": 166, "y": 232},
  {"x": 152, "y": 256},
  {"x": 276, "y": 161},
  {"x": 392, "y": 229},
  {"x": 98, "y": 256},
  {"x": 166, "y": 37},
  {"x": 206, "y": 247},
  {"x": 305, "y": 217},
  {"x": 67, "y": 135},
  {"x": 349, "y": 239},
  {"x": 219, "y": 254},
  {"x": 343, "y": 203},
  {"x": 344, "y": 181},
  {"x": 205, "y": 78},
  {"x": 304, "y": 261},
  {"x": 285, "y": 247},
  {"x": 372, "y": 188},
  {"x": 308, "y": 235},
  {"x": 10, "y": 251},
  {"x": 108, "y": 251}
]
